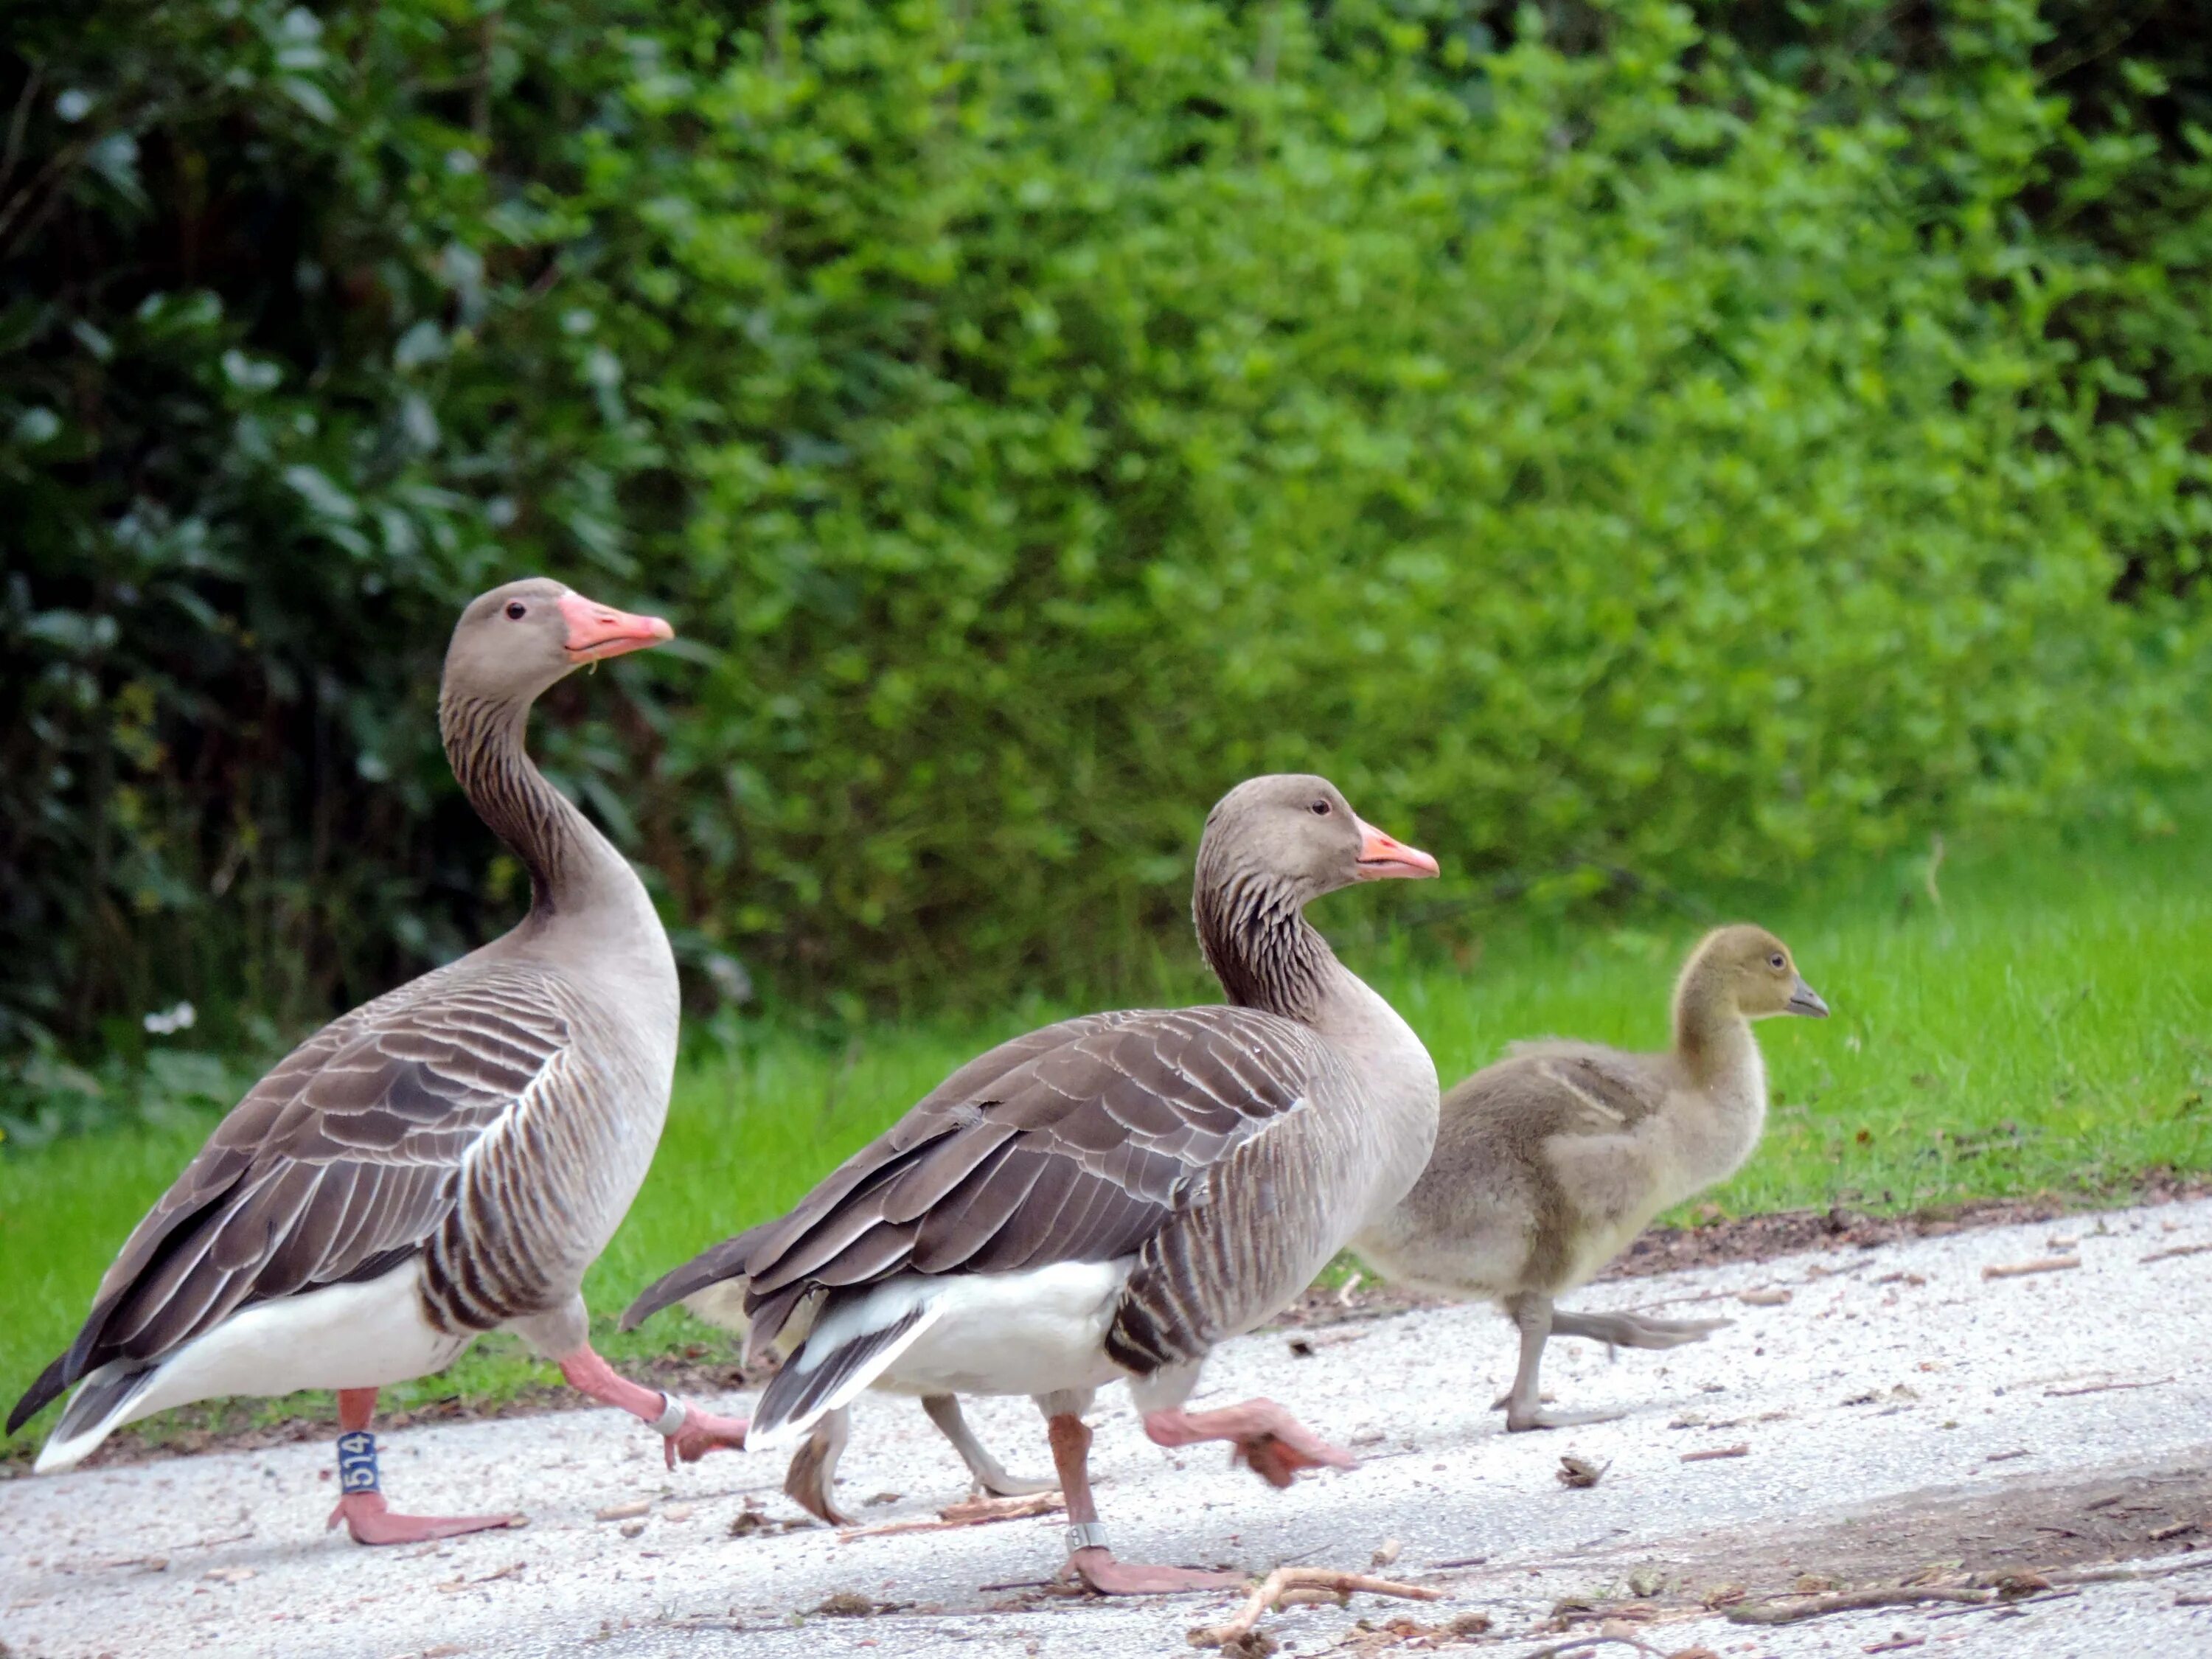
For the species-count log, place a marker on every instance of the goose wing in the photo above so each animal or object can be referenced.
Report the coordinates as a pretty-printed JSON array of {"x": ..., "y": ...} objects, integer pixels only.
[
  {"x": 338, "y": 1164},
  {"x": 1584, "y": 1088},
  {"x": 1084, "y": 1141}
]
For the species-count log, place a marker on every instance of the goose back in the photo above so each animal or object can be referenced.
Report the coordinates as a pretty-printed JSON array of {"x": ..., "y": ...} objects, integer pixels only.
[{"x": 1187, "y": 1138}]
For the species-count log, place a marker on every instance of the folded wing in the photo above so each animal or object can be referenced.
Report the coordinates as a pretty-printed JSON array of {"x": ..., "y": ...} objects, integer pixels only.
[{"x": 341, "y": 1162}]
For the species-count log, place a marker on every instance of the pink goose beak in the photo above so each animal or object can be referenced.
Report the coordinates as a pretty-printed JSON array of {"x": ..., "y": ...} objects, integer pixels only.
[
  {"x": 1381, "y": 858},
  {"x": 599, "y": 631}
]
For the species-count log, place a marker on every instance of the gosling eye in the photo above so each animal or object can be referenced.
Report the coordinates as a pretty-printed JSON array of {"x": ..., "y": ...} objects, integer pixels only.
[
  {"x": 1320, "y": 809},
  {"x": 1777, "y": 961},
  {"x": 516, "y": 611}
]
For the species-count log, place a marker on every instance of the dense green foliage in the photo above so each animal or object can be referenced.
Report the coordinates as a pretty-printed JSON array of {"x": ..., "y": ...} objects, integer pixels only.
[{"x": 1627, "y": 436}]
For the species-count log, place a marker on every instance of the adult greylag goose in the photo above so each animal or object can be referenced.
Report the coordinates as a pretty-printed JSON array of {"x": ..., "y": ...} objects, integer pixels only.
[
  {"x": 1548, "y": 1163},
  {"x": 713, "y": 1286},
  {"x": 1110, "y": 1196},
  {"x": 443, "y": 1161}
]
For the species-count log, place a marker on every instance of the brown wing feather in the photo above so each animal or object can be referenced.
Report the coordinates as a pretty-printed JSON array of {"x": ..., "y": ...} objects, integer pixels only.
[
  {"x": 343, "y": 1157},
  {"x": 1075, "y": 1143}
]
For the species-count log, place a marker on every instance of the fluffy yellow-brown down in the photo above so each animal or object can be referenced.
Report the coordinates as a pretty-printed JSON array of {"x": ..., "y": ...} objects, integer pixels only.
[{"x": 1548, "y": 1163}]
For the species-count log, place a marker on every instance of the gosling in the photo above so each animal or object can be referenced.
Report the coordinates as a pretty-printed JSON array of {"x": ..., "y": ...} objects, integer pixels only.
[{"x": 1548, "y": 1163}]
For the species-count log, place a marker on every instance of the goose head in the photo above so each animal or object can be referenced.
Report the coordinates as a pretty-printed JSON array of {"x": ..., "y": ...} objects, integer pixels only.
[
  {"x": 515, "y": 641},
  {"x": 1751, "y": 969},
  {"x": 1296, "y": 834}
]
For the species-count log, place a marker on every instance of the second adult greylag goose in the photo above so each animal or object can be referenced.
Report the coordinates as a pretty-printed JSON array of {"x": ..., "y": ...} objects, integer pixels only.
[
  {"x": 1110, "y": 1196},
  {"x": 443, "y": 1161},
  {"x": 713, "y": 1287},
  {"x": 1548, "y": 1163}
]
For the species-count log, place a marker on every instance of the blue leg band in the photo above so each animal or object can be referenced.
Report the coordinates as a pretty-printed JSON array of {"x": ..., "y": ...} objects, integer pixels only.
[{"x": 357, "y": 1461}]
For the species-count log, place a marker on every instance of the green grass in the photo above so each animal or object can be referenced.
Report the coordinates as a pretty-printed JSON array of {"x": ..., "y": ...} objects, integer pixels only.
[{"x": 2044, "y": 1028}]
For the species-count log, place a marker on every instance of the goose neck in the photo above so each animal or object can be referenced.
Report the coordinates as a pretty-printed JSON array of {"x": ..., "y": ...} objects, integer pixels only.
[
  {"x": 1712, "y": 1039},
  {"x": 573, "y": 870},
  {"x": 1264, "y": 952}
]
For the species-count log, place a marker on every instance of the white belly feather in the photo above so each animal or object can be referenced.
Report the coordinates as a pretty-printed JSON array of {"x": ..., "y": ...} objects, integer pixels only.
[{"x": 346, "y": 1336}]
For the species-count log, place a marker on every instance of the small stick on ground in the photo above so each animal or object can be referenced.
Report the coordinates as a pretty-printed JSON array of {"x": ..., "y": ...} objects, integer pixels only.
[
  {"x": 1272, "y": 1589},
  {"x": 1741, "y": 1449},
  {"x": 2048, "y": 1264},
  {"x": 2179, "y": 1250},
  {"x": 2104, "y": 1387},
  {"x": 973, "y": 1513},
  {"x": 2123, "y": 1575},
  {"x": 2003, "y": 1602},
  {"x": 1818, "y": 1606}
]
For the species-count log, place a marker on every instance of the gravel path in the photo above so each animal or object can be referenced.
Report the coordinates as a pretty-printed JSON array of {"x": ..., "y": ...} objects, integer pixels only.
[{"x": 1900, "y": 1415}]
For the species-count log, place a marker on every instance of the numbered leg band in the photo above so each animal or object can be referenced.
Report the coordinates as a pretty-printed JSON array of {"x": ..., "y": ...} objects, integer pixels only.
[
  {"x": 1086, "y": 1535},
  {"x": 357, "y": 1461}
]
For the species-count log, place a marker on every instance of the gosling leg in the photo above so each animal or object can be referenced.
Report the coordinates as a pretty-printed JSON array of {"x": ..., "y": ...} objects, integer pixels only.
[
  {"x": 810, "y": 1482},
  {"x": 1626, "y": 1330},
  {"x": 1532, "y": 1316},
  {"x": 990, "y": 1474}
]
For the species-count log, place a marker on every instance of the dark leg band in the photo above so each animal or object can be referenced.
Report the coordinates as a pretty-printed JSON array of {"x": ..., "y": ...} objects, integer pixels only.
[{"x": 357, "y": 1461}]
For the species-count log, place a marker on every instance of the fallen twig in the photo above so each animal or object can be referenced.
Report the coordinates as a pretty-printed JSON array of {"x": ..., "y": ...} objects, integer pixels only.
[
  {"x": 974, "y": 1512},
  {"x": 1284, "y": 1579},
  {"x": 2049, "y": 1264},
  {"x": 2003, "y": 1602},
  {"x": 512, "y": 1569},
  {"x": 1818, "y": 1606},
  {"x": 2179, "y": 1250},
  {"x": 2104, "y": 1388},
  {"x": 2124, "y": 1575},
  {"x": 1741, "y": 1449}
]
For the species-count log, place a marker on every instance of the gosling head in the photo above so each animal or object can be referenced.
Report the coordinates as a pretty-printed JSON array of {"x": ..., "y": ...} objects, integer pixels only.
[{"x": 1748, "y": 966}]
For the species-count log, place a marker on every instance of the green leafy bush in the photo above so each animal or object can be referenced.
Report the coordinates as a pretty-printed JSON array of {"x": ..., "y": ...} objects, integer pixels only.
[{"x": 1613, "y": 434}]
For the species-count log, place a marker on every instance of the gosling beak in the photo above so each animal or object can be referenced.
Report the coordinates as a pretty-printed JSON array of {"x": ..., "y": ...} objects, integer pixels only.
[
  {"x": 597, "y": 631},
  {"x": 1807, "y": 1000},
  {"x": 1381, "y": 858}
]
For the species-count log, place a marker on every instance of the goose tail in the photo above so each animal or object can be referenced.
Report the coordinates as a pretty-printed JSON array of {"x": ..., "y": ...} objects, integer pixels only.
[
  {"x": 712, "y": 1269},
  {"x": 102, "y": 1405},
  {"x": 855, "y": 1339}
]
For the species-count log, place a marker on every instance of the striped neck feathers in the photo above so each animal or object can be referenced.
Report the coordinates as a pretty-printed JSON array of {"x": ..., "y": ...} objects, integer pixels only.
[
  {"x": 566, "y": 856},
  {"x": 1260, "y": 946}
]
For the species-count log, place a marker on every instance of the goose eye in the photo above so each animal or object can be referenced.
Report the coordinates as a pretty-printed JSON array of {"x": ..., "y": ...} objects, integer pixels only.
[
  {"x": 1776, "y": 962},
  {"x": 516, "y": 611},
  {"x": 1321, "y": 809}
]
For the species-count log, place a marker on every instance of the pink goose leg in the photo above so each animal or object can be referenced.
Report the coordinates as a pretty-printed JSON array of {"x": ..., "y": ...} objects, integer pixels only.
[
  {"x": 691, "y": 1438},
  {"x": 1087, "y": 1553},
  {"x": 1274, "y": 1442},
  {"x": 362, "y": 1508}
]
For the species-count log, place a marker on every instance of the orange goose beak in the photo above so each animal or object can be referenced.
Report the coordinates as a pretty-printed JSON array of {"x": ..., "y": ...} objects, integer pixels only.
[
  {"x": 1381, "y": 858},
  {"x": 599, "y": 631}
]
